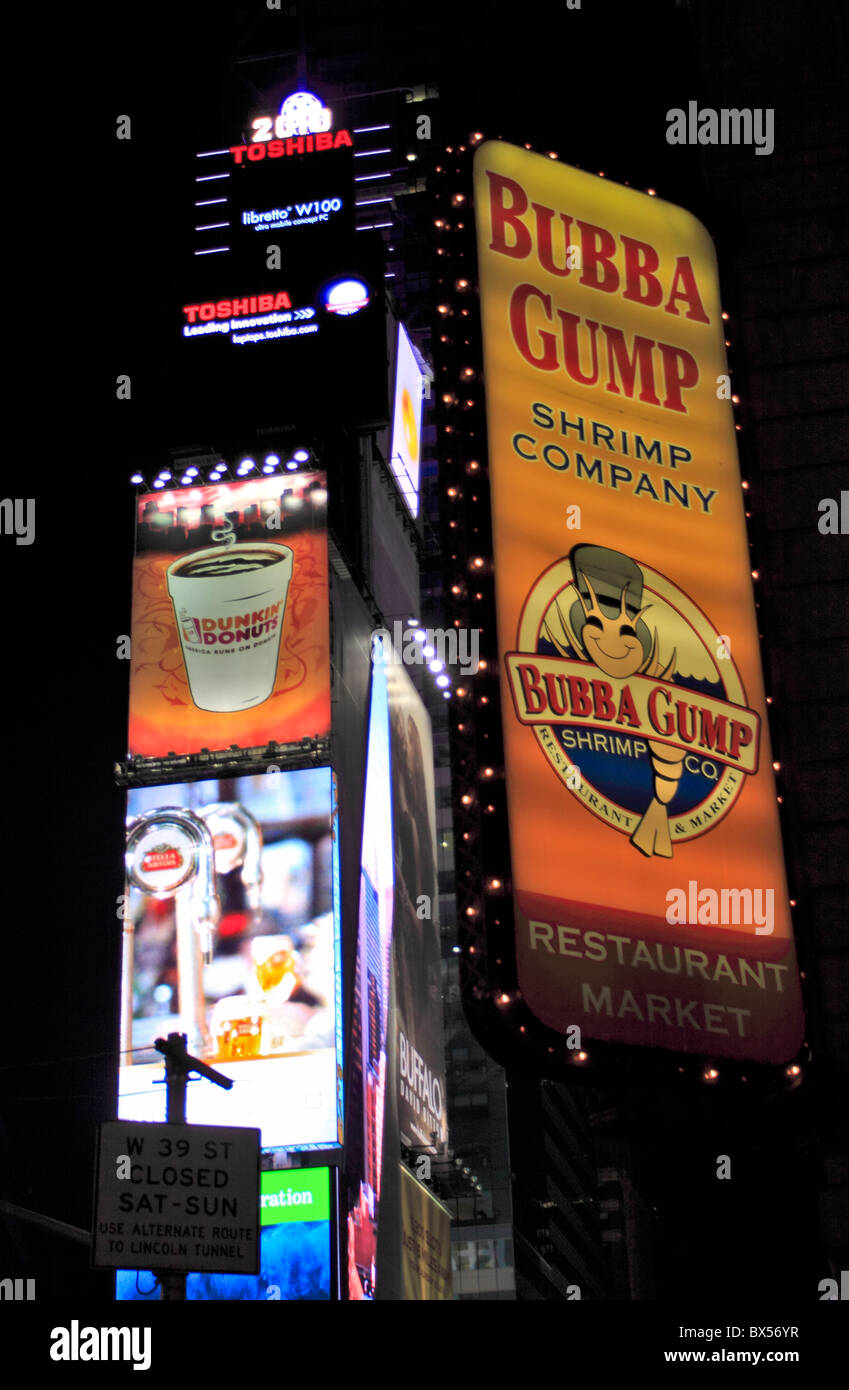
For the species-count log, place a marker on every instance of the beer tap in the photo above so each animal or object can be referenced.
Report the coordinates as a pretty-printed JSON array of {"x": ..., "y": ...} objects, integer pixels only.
[
  {"x": 237, "y": 839},
  {"x": 170, "y": 854}
]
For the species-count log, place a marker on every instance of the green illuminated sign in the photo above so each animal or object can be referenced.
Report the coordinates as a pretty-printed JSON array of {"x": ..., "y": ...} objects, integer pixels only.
[{"x": 298, "y": 1194}]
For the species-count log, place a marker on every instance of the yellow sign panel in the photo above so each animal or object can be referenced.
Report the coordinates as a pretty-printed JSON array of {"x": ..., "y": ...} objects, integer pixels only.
[
  {"x": 650, "y": 892},
  {"x": 425, "y": 1244}
]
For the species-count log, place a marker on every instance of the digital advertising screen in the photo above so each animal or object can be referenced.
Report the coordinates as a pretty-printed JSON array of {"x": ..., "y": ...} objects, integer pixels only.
[
  {"x": 651, "y": 903},
  {"x": 370, "y": 1020},
  {"x": 295, "y": 1247},
  {"x": 297, "y": 323},
  {"x": 230, "y": 637},
  {"x": 231, "y": 935},
  {"x": 405, "y": 452}
]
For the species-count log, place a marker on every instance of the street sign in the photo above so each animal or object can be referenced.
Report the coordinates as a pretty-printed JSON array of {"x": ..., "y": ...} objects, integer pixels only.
[{"x": 181, "y": 1197}]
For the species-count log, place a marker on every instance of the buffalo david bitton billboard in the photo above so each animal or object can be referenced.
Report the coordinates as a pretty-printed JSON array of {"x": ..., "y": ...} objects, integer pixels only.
[{"x": 650, "y": 897}]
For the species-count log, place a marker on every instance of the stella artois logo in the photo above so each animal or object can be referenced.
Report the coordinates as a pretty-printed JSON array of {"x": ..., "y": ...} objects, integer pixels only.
[
  {"x": 162, "y": 857},
  {"x": 633, "y": 697}
]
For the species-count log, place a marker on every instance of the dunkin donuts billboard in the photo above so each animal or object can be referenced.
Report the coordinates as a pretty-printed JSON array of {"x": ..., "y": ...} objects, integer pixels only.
[
  {"x": 230, "y": 626},
  {"x": 651, "y": 905}
]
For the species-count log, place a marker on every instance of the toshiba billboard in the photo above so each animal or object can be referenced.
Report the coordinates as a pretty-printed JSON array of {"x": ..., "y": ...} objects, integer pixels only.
[{"x": 650, "y": 896}]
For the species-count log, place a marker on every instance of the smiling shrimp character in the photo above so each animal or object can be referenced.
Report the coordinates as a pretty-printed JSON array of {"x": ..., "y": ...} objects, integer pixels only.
[{"x": 605, "y": 626}]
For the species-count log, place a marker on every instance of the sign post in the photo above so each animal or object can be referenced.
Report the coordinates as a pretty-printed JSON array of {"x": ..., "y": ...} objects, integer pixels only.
[{"x": 186, "y": 1195}]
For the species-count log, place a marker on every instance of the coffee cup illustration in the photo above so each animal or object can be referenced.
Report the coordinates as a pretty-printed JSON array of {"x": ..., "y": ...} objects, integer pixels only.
[{"x": 229, "y": 604}]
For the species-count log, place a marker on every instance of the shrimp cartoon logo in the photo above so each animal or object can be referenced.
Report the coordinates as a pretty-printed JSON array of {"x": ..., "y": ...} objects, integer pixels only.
[{"x": 619, "y": 674}]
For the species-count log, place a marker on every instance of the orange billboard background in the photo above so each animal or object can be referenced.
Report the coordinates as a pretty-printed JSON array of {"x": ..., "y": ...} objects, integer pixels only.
[
  {"x": 644, "y": 831},
  {"x": 163, "y": 716}
]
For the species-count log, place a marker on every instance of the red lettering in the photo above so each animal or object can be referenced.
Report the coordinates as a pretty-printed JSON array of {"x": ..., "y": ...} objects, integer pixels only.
[
  {"x": 668, "y": 724},
  {"x": 222, "y": 309},
  {"x": 256, "y": 152},
  {"x": 712, "y": 731},
  {"x": 627, "y": 709},
  {"x": 240, "y": 306},
  {"x": 686, "y": 721},
  {"x": 641, "y": 359},
  {"x": 598, "y": 247},
  {"x": 504, "y": 216},
  {"x": 689, "y": 293},
  {"x": 556, "y": 691},
  {"x": 296, "y": 145},
  {"x": 602, "y": 703},
  {"x": 207, "y": 312},
  {"x": 579, "y": 695},
  {"x": 342, "y": 138},
  {"x": 309, "y": 144},
  {"x": 276, "y": 149},
  {"x": 237, "y": 151},
  {"x": 638, "y": 270},
  {"x": 519, "y": 327},
  {"x": 680, "y": 371},
  {"x": 741, "y": 737},
  {"x": 265, "y": 302},
  {"x": 191, "y": 310},
  {"x": 545, "y": 217},
  {"x": 324, "y": 140},
  {"x": 532, "y": 692},
  {"x": 282, "y": 300},
  {"x": 571, "y": 350}
]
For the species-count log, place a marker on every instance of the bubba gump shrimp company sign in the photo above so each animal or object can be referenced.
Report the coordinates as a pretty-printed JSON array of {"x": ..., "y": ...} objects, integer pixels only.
[{"x": 644, "y": 832}]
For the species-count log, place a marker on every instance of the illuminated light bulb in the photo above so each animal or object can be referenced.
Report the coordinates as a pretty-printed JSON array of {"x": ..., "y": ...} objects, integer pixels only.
[
  {"x": 247, "y": 464},
  {"x": 443, "y": 681},
  {"x": 272, "y": 460},
  {"x": 652, "y": 192},
  {"x": 504, "y": 998},
  {"x": 458, "y": 199},
  {"x": 710, "y": 1074},
  {"x": 455, "y": 589},
  {"x": 436, "y": 666},
  {"x": 301, "y": 455},
  {"x": 137, "y": 478},
  {"x": 776, "y": 767},
  {"x": 191, "y": 472},
  {"x": 478, "y": 562},
  {"x": 468, "y": 371},
  {"x": 462, "y": 284},
  {"x": 452, "y": 491},
  {"x": 439, "y": 222},
  {"x": 446, "y": 694},
  {"x": 461, "y": 690},
  {"x": 744, "y": 484},
  {"x": 489, "y": 808},
  {"x": 428, "y": 651},
  {"x": 484, "y": 699},
  {"x": 466, "y": 799},
  {"x": 738, "y": 428},
  {"x": 442, "y": 308},
  {"x": 756, "y": 574},
  {"x": 411, "y": 157},
  {"x": 769, "y": 699},
  {"x": 495, "y": 884},
  {"x": 471, "y": 912},
  {"x": 793, "y": 1070},
  {"x": 488, "y": 772},
  {"x": 725, "y": 316},
  {"x": 736, "y": 400},
  {"x": 164, "y": 475},
  {"x": 481, "y": 665},
  {"x": 159, "y": 483}
]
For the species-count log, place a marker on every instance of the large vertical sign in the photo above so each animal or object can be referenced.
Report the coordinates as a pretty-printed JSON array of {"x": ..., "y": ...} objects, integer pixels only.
[
  {"x": 230, "y": 628},
  {"x": 406, "y": 446},
  {"x": 415, "y": 937},
  {"x": 650, "y": 894}
]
